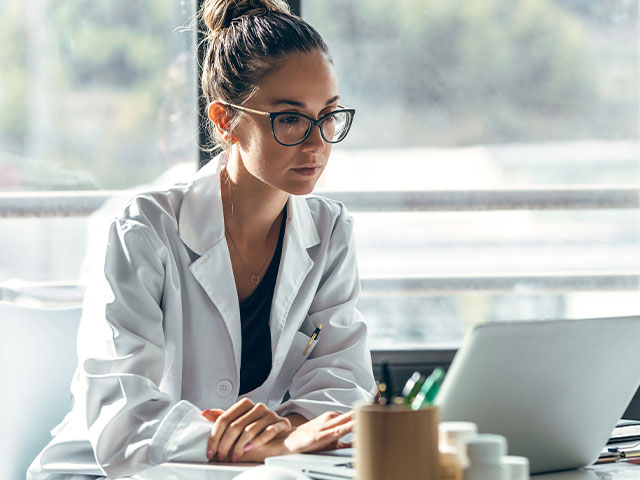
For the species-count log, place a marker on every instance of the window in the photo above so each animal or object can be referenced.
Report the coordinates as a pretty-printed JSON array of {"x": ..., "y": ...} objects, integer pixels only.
[
  {"x": 520, "y": 119},
  {"x": 493, "y": 168},
  {"x": 94, "y": 96}
]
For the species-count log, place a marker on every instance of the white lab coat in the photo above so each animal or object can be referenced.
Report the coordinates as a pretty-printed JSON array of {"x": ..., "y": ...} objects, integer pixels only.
[{"x": 160, "y": 336}]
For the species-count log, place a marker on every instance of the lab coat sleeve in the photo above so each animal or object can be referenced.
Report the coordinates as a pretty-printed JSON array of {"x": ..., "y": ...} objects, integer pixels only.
[
  {"x": 338, "y": 371},
  {"x": 131, "y": 422}
]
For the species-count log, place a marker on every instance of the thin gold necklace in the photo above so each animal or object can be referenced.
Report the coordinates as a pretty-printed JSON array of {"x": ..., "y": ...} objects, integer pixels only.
[{"x": 254, "y": 277}]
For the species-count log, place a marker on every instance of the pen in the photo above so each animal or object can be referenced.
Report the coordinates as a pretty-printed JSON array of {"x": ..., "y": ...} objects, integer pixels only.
[
  {"x": 429, "y": 390},
  {"x": 625, "y": 452},
  {"x": 386, "y": 379},
  {"x": 314, "y": 336},
  {"x": 614, "y": 454},
  {"x": 608, "y": 457}
]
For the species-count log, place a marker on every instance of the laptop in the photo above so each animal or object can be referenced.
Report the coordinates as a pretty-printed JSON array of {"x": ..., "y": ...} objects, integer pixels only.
[{"x": 554, "y": 389}]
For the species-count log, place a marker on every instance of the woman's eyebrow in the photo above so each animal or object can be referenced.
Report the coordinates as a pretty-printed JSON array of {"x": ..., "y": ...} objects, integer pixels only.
[
  {"x": 295, "y": 103},
  {"x": 333, "y": 100}
]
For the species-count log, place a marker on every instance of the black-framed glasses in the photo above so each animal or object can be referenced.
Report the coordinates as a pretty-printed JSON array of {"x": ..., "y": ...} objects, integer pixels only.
[{"x": 293, "y": 128}]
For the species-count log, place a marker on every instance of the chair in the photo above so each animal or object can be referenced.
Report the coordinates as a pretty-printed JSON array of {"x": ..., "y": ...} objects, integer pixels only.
[{"x": 37, "y": 362}]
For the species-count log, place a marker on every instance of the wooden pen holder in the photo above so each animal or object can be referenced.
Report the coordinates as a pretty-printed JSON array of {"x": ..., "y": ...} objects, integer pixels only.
[{"x": 396, "y": 442}]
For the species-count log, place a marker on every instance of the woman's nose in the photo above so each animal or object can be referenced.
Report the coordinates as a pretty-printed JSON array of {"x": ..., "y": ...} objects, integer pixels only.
[{"x": 314, "y": 141}]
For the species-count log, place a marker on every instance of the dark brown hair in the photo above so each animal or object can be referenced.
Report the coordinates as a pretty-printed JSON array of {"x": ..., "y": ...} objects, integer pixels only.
[{"x": 246, "y": 39}]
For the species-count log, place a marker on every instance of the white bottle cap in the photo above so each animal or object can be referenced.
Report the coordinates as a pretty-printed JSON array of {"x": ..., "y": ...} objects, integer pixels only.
[
  {"x": 455, "y": 434},
  {"x": 486, "y": 448},
  {"x": 518, "y": 467}
]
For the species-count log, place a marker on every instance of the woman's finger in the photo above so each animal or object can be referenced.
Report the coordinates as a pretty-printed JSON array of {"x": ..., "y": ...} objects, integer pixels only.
[
  {"x": 236, "y": 428},
  {"x": 329, "y": 440},
  {"x": 212, "y": 414},
  {"x": 258, "y": 433},
  {"x": 334, "y": 433},
  {"x": 222, "y": 422},
  {"x": 324, "y": 431},
  {"x": 243, "y": 429},
  {"x": 339, "y": 419}
]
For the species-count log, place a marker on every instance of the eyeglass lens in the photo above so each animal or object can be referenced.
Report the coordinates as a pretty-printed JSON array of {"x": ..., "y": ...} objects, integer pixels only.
[{"x": 292, "y": 128}]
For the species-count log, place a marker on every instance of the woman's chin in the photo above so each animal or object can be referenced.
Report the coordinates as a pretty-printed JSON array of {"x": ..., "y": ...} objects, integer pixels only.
[{"x": 302, "y": 190}]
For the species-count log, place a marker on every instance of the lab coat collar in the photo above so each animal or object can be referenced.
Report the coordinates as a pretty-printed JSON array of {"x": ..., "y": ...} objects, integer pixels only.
[
  {"x": 201, "y": 223},
  {"x": 201, "y": 228}
]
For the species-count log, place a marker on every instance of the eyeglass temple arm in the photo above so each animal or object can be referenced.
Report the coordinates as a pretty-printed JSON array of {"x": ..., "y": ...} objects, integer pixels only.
[
  {"x": 266, "y": 114},
  {"x": 246, "y": 109},
  {"x": 260, "y": 112}
]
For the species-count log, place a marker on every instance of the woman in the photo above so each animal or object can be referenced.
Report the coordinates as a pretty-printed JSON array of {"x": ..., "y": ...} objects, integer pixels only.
[{"x": 230, "y": 293}]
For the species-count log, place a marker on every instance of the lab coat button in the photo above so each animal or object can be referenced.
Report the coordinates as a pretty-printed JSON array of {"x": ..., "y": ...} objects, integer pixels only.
[{"x": 224, "y": 388}]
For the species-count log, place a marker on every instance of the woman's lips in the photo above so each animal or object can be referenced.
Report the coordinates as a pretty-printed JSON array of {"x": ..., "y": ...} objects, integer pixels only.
[{"x": 307, "y": 171}]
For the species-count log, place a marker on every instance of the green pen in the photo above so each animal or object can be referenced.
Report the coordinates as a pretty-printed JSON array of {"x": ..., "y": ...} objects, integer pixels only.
[
  {"x": 429, "y": 390},
  {"x": 412, "y": 387}
]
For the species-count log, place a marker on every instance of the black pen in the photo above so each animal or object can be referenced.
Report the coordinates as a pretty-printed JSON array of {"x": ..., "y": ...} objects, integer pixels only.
[
  {"x": 386, "y": 379},
  {"x": 314, "y": 336}
]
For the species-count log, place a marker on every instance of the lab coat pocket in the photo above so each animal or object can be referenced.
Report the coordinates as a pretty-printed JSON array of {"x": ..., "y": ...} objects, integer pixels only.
[
  {"x": 300, "y": 343},
  {"x": 292, "y": 363},
  {"x": 296, "y": 357}
]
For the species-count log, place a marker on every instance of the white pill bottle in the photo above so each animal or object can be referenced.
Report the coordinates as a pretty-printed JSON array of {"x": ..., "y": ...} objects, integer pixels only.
[{"x": 485, "y": 452}]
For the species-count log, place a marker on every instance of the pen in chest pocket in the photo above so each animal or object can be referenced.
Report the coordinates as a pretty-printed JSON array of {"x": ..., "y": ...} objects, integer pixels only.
[{"x": 314, "y": 336}]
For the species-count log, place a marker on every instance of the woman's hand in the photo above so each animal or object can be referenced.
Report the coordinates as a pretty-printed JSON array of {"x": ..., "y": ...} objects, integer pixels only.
[
  {"x": 241, "y": 428},
  {"x": 321, "y": 433}
]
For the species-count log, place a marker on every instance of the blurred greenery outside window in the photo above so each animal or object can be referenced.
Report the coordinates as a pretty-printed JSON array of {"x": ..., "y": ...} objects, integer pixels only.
[
  {"x": 95, "y": 95},
  {"x": 488, "y": 94},
  {"x": 454, "y": 95}
]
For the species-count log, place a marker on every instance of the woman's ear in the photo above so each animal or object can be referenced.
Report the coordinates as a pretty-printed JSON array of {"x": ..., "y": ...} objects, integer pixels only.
[{"x": 219, "y": 115}]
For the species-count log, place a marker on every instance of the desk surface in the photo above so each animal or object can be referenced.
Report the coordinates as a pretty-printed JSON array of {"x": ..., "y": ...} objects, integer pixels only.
[{"x": 186, "y": 471}]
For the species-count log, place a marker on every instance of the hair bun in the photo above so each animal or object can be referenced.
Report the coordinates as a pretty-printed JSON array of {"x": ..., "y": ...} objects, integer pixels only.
[{"x": 219, "y": 14}]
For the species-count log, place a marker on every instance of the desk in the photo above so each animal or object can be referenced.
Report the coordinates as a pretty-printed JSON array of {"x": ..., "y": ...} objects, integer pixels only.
[
  {"x": 192, "y": 471},
  {"x": 186, "y": 471}
]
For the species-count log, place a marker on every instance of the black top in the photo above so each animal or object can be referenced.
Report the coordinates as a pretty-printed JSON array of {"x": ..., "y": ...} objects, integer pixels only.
[{"x": 255, "y": 312}]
